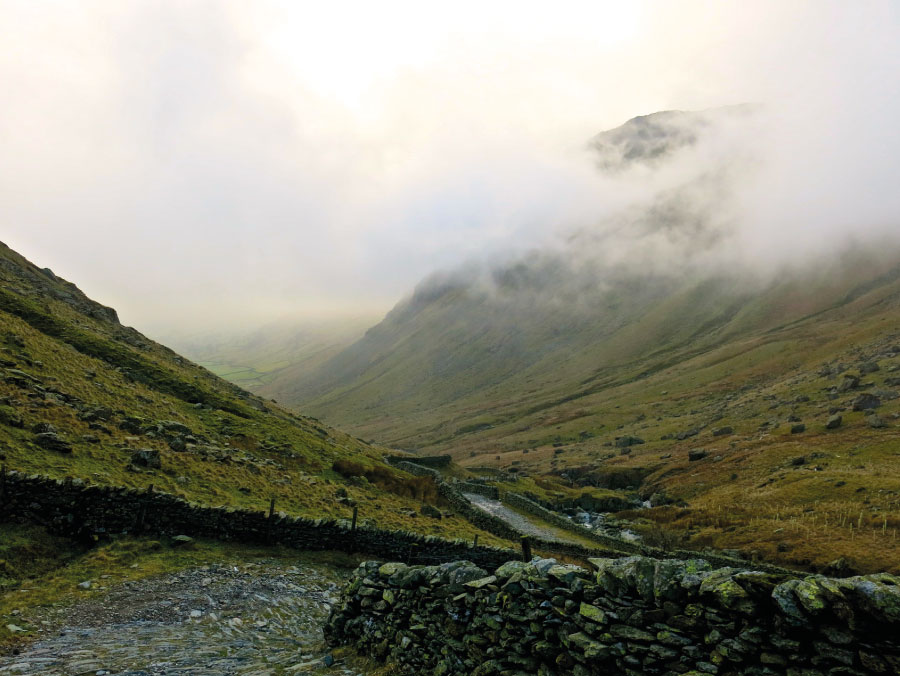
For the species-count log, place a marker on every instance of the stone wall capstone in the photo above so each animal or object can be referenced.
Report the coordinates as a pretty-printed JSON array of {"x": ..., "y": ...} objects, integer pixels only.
[{"x": 633, "y": 616}]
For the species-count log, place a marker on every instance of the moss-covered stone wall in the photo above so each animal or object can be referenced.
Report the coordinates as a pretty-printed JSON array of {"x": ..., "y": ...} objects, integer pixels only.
[{"x": 631, "y": 616}]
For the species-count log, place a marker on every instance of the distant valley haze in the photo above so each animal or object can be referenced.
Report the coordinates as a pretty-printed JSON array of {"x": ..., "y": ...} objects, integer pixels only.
[{"x": 213, "y": 168}]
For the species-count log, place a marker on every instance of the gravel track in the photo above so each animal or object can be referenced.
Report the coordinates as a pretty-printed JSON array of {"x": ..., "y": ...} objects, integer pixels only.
[
  {"x": 248, "y": 620},
  {"x": 518, "y": 521}
]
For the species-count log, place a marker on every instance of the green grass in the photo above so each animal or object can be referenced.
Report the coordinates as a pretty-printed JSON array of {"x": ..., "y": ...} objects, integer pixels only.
[{"x": 247, "y": 452}]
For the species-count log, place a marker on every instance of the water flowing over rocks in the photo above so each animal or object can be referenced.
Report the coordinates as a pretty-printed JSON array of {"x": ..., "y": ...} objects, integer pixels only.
[
  {"x": 253, "y": 620},
  {"x": 632, "y": 616}
]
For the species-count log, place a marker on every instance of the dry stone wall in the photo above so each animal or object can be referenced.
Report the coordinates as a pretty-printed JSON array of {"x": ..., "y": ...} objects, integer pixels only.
[
  {"x": 489, "y": 522},
  {"x": 522, "y": 503},
  {"x": 607, "y": 542},
  {"x": 633, "y": 616},
  {"x": 610, "y": 546},
  {"x": 486, "y": 490},
  {"x": 433, "y": 461},
  {"x": 74, "y": 509}
]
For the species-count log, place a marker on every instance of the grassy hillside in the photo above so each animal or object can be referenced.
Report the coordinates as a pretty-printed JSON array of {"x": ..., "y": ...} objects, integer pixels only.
[
  {"x": 82, "y": 396},
  {"x": 455, "y": 367},
  {"x": 522, "y": 378}
]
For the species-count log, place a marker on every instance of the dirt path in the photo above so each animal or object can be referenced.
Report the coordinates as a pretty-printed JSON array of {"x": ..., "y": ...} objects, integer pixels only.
[
  {"x": 252, "y": 620},
  {"x": 521, "y": 522}
]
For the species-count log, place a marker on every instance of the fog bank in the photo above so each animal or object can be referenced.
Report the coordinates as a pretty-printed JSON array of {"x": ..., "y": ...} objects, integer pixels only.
[{"x": 203, "y": 165}]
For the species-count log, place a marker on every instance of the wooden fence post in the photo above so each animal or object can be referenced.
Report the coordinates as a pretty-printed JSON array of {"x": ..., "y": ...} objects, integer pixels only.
[
  {"x": 475, "y": 543},
  {"x": 142, "y": 512},
  {"x": 526, "y": 549},
  {"x": 271, "y": 507},
  {"x": 355, "y": 513}
]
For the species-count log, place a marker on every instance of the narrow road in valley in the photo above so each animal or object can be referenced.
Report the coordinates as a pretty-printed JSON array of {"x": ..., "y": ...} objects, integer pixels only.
[
  {"x": 522, "y": 523},
  {"x": 248, "y": 620}
]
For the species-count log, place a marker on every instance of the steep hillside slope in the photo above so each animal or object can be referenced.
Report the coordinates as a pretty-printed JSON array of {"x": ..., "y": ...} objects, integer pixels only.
[
  {"x": 449, "y": 366},
  {"x": 82, "y": 396},
  {"x": 766, "y": 412}
]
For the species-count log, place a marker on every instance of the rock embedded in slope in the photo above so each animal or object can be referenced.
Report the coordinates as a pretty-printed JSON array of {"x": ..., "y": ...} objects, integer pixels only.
[
  {"x": 146, "y": 457},
  {"x": 875, "y": 421},
  {"x": 430, "y": 511},
  {"x": 869, "y": 367},
  {"x": 848, "y": 383},
  {"x": 626, "y": 441},
  {"x": 866, "y": 402},
  {"x": 51, "y": 441}
]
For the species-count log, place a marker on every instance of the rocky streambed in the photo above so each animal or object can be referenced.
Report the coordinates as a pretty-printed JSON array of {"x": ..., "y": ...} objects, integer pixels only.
[
  {"x": 259, "y": 619},
  {"x": 603, "y": 523}
]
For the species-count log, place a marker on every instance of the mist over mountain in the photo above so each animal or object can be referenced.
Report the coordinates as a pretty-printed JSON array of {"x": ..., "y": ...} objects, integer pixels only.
[{"x": 663, "y": 274}]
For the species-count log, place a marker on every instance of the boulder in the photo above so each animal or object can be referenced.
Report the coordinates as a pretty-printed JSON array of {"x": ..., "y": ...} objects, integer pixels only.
[
  {"x": 869, "y": 367},
  {"x": 834, "y": 422},
  {"x": 687, "y": 434},
  {"x": 146, "y": 457},
  {"x": 429, "y": 511},
  {"x": 875, "y": 421},
  {"x": 52, "y": 442},
  {"x": 866, "y": 402},
  {"x": 132, "y": 424},
  {"x": 848, "y": 383},
  {"x": 697, "y": 454},
  {"x": 173, "y": 427},
  {"x": 626, "y": 441}
]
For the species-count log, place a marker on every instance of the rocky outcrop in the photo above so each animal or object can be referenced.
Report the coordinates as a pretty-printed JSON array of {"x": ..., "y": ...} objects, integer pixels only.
[{"x": 632, "y": 616}]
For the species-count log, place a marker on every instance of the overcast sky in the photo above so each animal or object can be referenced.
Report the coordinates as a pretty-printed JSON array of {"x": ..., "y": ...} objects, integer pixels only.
[{"x": 205, "y": 164}]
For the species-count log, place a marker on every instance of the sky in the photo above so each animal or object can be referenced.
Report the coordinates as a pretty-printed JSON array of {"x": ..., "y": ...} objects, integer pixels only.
[{"x": 215, "y": 165}]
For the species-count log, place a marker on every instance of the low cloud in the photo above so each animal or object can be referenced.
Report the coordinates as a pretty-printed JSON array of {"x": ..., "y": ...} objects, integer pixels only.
[{"x": 219, "y": 164}]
